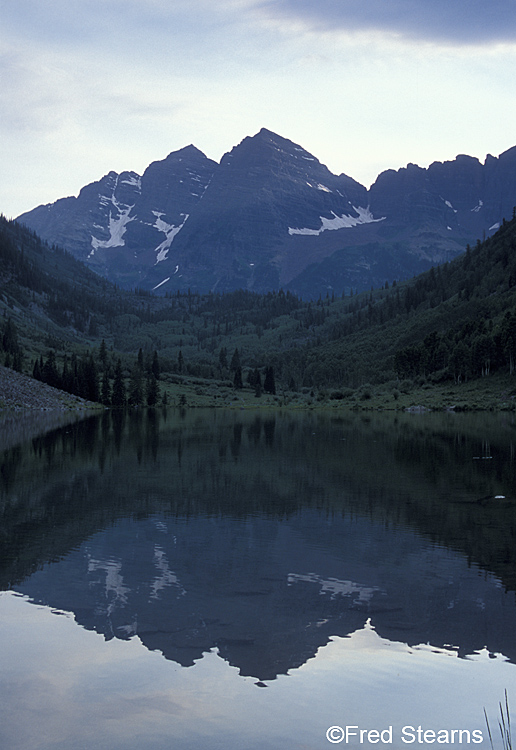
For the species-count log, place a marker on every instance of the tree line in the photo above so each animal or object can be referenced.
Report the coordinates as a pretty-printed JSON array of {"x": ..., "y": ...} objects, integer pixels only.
[{"x": 101, "y": 378}]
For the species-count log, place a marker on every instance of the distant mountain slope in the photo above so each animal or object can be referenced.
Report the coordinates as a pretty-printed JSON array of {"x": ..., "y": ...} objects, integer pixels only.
[
  {"x": 123, "y": 224},
  {"x": 270, "y": 215},
  {"x": 266, "y": 194},
  {"x": 54, "y": 299}
]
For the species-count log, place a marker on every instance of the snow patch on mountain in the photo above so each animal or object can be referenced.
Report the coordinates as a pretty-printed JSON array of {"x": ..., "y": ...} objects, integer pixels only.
[
  {"x": 447, "y": 203},
  {"x": 161, "y": 283},
  {"x": 319, "y": 186},
  {"x": 117, "y": 228},
  {"x": 133, "y": 179},
  {"x": 119, "y": 215},
  {"x": 340, "y": 222},
  {"x": 170, "y": 231}
]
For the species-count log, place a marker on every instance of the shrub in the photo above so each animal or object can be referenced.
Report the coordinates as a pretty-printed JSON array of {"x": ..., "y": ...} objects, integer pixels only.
[
  {"x": 366, "y": 392},
  {"x": 341, "y": 393}
]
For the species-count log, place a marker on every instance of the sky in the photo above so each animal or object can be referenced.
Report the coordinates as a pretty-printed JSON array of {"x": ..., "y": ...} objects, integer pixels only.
[{"x": 364, "y": 85}]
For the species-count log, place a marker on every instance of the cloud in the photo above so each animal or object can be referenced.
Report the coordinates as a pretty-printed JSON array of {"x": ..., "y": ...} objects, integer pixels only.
[
  {"x": 455, "y": 22},
  {"x": 27, "y": 100}
]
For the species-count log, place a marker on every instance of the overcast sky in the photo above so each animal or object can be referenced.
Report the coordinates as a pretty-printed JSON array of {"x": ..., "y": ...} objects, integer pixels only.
[{"x": 364, "y": 85}]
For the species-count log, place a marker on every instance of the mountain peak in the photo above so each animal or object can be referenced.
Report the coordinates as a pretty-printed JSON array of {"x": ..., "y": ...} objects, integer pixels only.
[
  {"x": 265, "y": 144},
  {"x": 265, "y": 133},
  {"x": 186, "y": 151}
]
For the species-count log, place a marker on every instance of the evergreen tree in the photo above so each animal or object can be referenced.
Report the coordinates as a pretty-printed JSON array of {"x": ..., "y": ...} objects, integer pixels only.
[
  {"x": 269, "y": 384},
  {"x": 66, "y": 377},
  {"x": 103, "y": 355},
  {"x": 18, "y": 360},
  {"x": 137, "y": 384},
  {"x": 118, "y": 398},
  {"x": 105, "y": 395},
  {"x": 11, "y": 346},
  {"x": 155, "y": 368},
  {"x": 74, "y": 375},
  {"x": 10, "y": 337},
  {"x": 152, "y": 390},
  {"x": 235, "y": 362},
  {"x": 36, "y": 370},
  {"x": 237, "y": 380},
  {"x": 88, "y": 379},
  {"x": 49, "y": 374},
  {"x": 223, "y": 359}
]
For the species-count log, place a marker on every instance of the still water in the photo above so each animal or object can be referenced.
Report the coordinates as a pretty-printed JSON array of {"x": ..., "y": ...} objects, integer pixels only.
[{"x": 222, "y": 580}]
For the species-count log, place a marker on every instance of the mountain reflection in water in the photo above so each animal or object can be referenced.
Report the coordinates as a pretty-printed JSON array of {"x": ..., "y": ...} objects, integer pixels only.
[{"x": 265, "y": 534}]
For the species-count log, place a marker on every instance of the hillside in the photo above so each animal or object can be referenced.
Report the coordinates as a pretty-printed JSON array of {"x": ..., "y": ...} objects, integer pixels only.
[
  {"x": 20, "y": 392},
  {"x": 453, "y": 325}
]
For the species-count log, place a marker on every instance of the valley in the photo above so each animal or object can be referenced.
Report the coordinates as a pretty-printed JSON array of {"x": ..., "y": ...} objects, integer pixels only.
[{"x": 421, "y": 342}]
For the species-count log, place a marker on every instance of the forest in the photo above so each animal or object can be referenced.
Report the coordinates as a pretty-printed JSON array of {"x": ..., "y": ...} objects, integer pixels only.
[{"x": 70, "y": 328}]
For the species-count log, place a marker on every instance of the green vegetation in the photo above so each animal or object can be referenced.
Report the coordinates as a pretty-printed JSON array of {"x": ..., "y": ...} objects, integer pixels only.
[{"x": 446, "y": 338}]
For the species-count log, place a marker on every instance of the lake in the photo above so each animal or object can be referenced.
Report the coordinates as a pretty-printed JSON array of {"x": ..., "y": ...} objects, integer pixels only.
[{"x": 235, "y": 579}]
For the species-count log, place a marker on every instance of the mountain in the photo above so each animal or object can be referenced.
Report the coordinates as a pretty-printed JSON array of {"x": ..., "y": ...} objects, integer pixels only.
[
  {"x": 123, "y": 224},
  {"x": 250, "y": 228},
  {"x": 270, "y": 215}
]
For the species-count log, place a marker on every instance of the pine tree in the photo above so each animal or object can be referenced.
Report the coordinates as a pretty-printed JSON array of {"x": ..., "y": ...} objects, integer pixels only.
[
  {"x": 103, "y": 355},
  {"x": 118, "y": 399},
  {"x": 10, "y": 337},
  {"x": 36, "y": 370},
  {"x": 237, "y": 380},
  {"x": 88, "y": 379},
  {"x": 49, "y": 373},
  {"x": 223, "y": 359},
  {"x": 66, "y": 377},
  {"x": 155, "y": 368},
  {"x": 137, "y": 385},
  {"x": 152, "y": 390},
  {"x": 105, "y": 395},
  {"x": 269, "y": 384},
  {"x": 9, "y": 343},
  {"x": 235, "y": 362}
]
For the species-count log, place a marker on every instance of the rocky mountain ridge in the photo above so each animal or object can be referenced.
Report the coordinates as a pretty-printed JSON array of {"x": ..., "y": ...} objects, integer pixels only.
[{"x": 270, "y": 215}]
